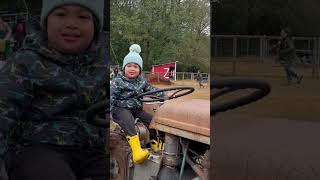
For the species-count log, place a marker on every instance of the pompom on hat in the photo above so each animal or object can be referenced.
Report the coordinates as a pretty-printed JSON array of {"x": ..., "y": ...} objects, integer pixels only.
[{"x": 133, "y": 56}]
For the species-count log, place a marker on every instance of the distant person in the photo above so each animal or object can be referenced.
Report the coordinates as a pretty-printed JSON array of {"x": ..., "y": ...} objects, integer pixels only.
[
  {"x": 19, "y": 34},
  {"x": 5, "y": 30},
  {"x": 5, "y": 36},
  {"x": 111, "y": 75},
  {"x": 199, "y": 79},
  {"x": 287, "y": 56},
  {"x": 116, "y": 71}
]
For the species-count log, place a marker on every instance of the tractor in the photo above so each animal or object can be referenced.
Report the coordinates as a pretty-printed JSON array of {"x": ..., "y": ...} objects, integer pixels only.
[{"x": 185, "y": 125}]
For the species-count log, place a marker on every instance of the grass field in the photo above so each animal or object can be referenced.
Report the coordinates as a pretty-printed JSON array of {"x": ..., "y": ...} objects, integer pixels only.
[{"x": 295, "y": 102}]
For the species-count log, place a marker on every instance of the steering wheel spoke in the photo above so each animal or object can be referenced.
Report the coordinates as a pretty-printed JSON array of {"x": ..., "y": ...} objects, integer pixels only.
[
  {"x": 154, "y": 98},
  {"x": 176, "y": 92}
]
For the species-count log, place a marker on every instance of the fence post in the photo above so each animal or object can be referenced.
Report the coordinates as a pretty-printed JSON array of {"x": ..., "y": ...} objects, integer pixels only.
[
  {"x": 315, "y": 56},
  {"x": 317, "y": 60},
  {"x": 261, "y": 49},
  {"x": 248, "y": 44},
  {"x": 234, "y": 56},
  {"x": 215, "y": 41},
  {"x": 266, "y": 48}
]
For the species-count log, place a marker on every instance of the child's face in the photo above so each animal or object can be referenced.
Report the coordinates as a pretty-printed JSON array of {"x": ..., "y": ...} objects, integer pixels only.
[
  {"x": 70, "y": 29},
  {"x": 131, "y": 70}
]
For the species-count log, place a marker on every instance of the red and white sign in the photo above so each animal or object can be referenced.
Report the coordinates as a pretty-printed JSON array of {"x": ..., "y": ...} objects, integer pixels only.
[{"x": 167, "y": 70}]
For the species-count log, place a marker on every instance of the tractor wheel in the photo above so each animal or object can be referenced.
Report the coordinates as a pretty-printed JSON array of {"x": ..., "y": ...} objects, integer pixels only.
[
  {"x": 206, "y": 165},
  {"x": 119, "y": 157}
]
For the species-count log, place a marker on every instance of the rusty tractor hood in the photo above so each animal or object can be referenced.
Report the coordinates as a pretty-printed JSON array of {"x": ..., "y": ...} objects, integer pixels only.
[{"x": 188, "y": 118}]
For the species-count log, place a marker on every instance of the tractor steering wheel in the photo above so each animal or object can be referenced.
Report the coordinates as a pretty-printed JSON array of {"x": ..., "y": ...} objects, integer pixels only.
[
  {"x": 262, "y": 89},
  {"x": 96, "y": 114},
  {"x": 178, "y": 92}
]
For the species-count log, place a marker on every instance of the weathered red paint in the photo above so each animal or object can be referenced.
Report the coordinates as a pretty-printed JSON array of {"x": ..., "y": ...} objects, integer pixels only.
[
  {"x": 164, "y": 70},
  {"x": 185, "y": 118}
]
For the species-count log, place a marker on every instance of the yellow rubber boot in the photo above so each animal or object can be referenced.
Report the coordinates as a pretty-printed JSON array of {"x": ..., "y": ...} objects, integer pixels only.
[
  {"x": 139, "y": 155},
  {"x": 156, "y": 146}
]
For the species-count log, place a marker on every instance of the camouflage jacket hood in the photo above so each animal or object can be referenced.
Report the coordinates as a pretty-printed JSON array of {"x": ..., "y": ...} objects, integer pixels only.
[
  {"x": 46, "y": 95},
  {"x": 124, "y": 92}
]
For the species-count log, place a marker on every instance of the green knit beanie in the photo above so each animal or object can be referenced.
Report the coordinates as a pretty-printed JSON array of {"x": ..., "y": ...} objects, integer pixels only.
[{"x": 95, "y": 6}]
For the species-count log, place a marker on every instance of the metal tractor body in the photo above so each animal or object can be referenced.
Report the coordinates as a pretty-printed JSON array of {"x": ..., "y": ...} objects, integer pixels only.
[{"x": 185, "y": 124}]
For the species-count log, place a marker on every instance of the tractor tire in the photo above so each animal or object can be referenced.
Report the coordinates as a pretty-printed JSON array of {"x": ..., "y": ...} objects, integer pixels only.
[
  {"x": 119, "y": 157},
  {"x": 206, "y": 164}
]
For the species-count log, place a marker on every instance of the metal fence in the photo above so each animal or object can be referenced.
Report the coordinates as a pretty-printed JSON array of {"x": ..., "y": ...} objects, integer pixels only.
[
  {"x": 258, "y": 49},
  {"x": 13, "y": 18},
  {"x": 181, "y": 76}
]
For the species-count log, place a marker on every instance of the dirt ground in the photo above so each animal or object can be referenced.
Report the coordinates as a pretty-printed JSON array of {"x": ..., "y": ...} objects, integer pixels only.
[
  {"x": 296, "y": 102},
  {"x": 264, "y": 149},
  {"x": 274, "y": 138},
  {"x": 199, "y": 93},
  {"x": 254, "y": 68}
]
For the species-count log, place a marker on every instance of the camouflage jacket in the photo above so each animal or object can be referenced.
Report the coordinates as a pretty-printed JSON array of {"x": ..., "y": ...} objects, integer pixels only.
[
  {"x": 198, "y": 77},
  {"x": 124, "y": 92},
  {"x": 287, "y": 52},
  {"x": 44, "y": 97}
]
